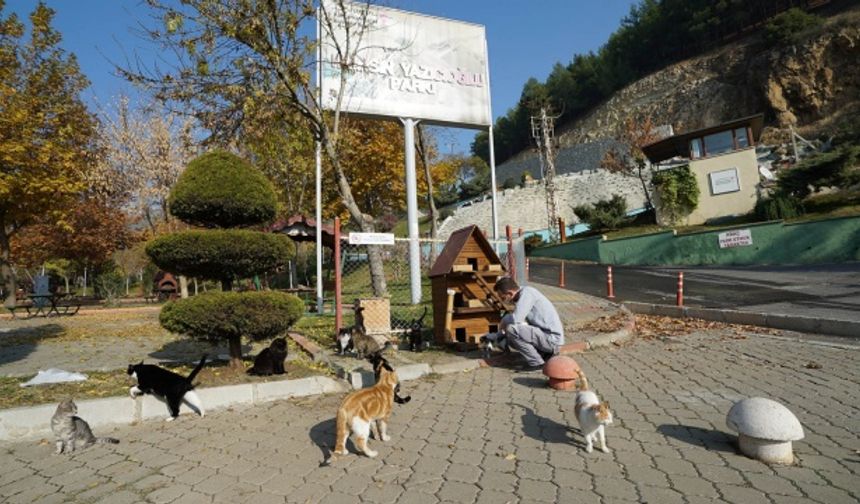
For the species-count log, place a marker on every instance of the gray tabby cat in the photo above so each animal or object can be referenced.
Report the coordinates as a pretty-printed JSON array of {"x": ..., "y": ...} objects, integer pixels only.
[{"x": 71, "y": 431}]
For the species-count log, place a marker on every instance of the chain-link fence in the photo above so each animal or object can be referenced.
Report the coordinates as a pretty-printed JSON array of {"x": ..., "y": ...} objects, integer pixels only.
[{"x": 376, "y": 285}]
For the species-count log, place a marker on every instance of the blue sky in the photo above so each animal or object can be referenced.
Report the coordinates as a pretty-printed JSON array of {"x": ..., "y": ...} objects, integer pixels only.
[{"x": 525, "y": 38}]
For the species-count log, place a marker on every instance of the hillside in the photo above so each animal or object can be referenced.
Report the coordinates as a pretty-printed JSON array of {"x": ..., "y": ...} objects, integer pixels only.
[{"x": 812, "y": 86}]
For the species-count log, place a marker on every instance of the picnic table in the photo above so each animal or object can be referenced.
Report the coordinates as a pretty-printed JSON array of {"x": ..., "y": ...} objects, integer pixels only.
[{"x": 45, "y": 305}]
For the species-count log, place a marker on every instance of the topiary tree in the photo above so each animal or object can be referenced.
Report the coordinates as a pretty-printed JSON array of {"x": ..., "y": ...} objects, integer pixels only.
[{"x": 222, "y": 192}]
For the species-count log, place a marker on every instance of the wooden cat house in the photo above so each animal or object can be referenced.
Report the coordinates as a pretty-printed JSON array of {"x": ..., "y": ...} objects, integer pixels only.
[{"x": 465, "y": 307}]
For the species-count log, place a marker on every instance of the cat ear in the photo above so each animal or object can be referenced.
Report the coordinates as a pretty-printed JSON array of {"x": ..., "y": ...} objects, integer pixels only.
[
  {"x": 606, "y": 403},
  {"x": 386, "y": 366}
]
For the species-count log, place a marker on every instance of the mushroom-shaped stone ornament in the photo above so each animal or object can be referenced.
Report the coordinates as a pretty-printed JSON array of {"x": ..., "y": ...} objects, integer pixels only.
[
  {"x": 561, "y": 371},
  {"x": 765, "y": 429}
]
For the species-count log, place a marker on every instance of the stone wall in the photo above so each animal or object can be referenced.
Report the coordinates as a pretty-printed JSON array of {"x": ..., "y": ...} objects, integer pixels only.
[{"x": 526, "y": 207}]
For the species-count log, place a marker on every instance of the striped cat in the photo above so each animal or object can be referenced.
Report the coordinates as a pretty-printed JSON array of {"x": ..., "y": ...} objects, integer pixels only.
[{"x": 366, "y": 409}]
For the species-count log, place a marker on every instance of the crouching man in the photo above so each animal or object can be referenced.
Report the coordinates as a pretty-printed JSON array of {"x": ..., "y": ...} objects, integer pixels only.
[{"x": 534, "y": 328}]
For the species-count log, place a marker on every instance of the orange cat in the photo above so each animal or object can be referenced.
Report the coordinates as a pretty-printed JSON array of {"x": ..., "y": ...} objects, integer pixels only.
[{"x": 366, "y": 409}]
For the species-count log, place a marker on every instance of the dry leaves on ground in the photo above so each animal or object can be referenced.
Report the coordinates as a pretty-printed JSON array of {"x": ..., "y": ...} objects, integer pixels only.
[
  {"x": 606, "y": 323},
  {"x": 654, "y": 326}
]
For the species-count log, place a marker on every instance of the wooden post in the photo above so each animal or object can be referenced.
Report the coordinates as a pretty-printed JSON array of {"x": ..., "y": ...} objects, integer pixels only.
[
  {"x": 562, "y": 231},
  {"x": 527, "y": 269},
  {"x": 610, "y": 291},
  {"x": 679, "y": 300},
  {"x": 338, "y": 281},
  {"x": 449, "y": 316}
]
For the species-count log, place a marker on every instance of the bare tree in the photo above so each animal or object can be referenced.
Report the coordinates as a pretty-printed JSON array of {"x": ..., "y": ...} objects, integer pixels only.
[
  {"x": 229, "y": 55},
  {"x": 144, "y": 149}
]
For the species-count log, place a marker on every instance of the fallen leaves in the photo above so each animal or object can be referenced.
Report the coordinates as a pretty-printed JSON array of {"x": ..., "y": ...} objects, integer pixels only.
[
  {"x": 655, "y": 326},
  {"x": 606, "y": 323}
]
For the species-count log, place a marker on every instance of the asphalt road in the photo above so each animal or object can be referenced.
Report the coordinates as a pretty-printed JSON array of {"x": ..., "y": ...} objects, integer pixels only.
[{"x": 829, "y": 291}]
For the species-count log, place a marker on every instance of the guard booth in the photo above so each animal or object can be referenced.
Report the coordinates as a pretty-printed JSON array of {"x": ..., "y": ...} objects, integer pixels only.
[{"x": 465, "y": 307}]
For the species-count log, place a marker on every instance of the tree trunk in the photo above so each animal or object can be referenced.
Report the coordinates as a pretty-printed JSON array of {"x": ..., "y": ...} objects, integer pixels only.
[
  {"x": 431, "y": 205},
  {"x": 236, "y": 353},
  {"x": 183, "y": 286},
  {"x": 6, "y": 271},
  {"x": 364, "y": 221}
]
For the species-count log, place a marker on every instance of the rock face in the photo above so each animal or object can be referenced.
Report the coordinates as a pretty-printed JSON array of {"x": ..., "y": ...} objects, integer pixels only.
[{"x": 808, "y": 85}]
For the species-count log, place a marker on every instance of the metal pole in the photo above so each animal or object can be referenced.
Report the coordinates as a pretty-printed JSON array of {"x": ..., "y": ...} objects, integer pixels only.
[
  {"x": 412, "y": 210},
  {"x": 495, "y": 214},
  {"x": 318, "y": 158},
  {"x": 338, "y": 280},
  {"x": 318, "y": 177}
]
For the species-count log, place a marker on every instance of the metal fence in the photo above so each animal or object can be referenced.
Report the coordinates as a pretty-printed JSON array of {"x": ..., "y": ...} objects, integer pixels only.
[{"x": 384, "y": 304}]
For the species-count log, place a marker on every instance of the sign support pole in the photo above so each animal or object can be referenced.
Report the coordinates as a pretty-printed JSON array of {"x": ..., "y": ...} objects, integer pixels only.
[
  {"x": 412, "y": 209},
  {"x": 318, "y": 178}
]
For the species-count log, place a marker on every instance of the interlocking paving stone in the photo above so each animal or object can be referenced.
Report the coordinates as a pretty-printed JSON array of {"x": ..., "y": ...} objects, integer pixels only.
[{"x": 488, "y": 435}]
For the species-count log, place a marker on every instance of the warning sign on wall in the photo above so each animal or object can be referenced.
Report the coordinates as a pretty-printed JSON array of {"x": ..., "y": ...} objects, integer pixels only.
[{"x": 737, "y": 238}]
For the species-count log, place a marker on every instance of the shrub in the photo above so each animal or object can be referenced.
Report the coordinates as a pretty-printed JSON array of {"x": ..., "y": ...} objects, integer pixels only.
[
  {"x": 224, "y": 254},
  {"x": 605, "y": 214},
  {"x": 787, "y": 27},
  {"x": 219, "y": 189},
  {"x": 531, "y": 242},
  {"x": 215, "y": 316},
  {"x": 778, "y": 207},
  {"x": 836, "y": 168},
  {"x": 678, "y": 190},
  {"x": 109, "y": 284}
]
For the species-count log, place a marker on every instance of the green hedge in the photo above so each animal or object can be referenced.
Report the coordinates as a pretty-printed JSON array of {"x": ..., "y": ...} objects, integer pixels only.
[
  {"x": 221, "y": 254},
  {"x": 219, "y": 189},
  {"x": 220, "y": 315}
]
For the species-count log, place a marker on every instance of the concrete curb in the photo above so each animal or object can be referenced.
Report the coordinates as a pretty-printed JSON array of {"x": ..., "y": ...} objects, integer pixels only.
[
  {"x": 624, "y": 334},
  {"x": 35, "y": 421},
  {"x": 845, "y": 328}
]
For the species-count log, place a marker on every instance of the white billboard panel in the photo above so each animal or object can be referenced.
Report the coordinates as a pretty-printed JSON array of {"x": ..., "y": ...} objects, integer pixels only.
[{"x": 407, "y": 65}]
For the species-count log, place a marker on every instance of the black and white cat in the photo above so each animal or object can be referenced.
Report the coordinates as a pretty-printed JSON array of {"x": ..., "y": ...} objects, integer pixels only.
[
  {"x": 71, "y": 431},
  {"x": 172, "y": 387},
  {"x": 497, "y": 341},
  {"x": 270, "y": 360},
  {"x": 344, "y": 340}
]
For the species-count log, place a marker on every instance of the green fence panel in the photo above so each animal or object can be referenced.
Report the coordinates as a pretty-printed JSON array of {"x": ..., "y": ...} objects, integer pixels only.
[{"x": 822, "y": 241}]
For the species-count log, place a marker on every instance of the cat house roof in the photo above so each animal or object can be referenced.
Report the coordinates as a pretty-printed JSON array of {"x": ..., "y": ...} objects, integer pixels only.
[{"x": 454, "y": 247}]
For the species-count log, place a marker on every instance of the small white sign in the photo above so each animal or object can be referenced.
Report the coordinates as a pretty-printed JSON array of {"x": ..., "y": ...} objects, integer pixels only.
[
  {"x": 737, "y": 238},
  {"x": 724, "y": 181},
  {"x": 371, "y": 238}
]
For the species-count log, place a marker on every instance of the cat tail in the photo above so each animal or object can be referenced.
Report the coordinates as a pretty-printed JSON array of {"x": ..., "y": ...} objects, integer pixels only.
[
  {"x": 197, "y": 369},
  {"x": 107, "y": 440},
  {"x": 583, "y": 382}
]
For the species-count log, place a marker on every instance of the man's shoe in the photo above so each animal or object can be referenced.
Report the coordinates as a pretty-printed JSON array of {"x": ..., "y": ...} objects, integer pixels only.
[{"x": 525, "y": 368}]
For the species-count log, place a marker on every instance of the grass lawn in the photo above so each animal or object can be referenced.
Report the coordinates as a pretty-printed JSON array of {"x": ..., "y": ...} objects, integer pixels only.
[{"x": 130, "y": 333}]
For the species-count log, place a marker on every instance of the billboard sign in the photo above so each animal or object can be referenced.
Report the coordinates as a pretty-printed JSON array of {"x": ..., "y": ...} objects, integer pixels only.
[{"x": 405, "y": 65}]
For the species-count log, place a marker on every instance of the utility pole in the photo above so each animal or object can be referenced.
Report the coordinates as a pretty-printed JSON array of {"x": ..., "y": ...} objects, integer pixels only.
[{"x": 543, "y": 132}]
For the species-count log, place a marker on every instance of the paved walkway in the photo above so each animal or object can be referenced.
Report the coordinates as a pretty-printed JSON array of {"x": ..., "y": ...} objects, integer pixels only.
[{"x": 493, "y": 436}]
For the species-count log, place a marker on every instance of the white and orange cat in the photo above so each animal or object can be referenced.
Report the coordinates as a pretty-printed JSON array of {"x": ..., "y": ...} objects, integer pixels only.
[
  {"x": 368, "y": 409},
  {"x": 593, "y": 415}
]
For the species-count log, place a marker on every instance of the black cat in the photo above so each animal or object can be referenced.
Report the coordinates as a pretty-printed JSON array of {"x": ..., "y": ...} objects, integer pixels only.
[
  {"x": 174, "y": 388},
  {"x": 377, "y": 361},
  {"x": 416, "y": 331},
  {"x": 270, "y": 360}
]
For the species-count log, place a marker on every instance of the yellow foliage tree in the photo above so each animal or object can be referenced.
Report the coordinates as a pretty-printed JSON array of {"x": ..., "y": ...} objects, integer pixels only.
[{"x": 45, "y": 130}]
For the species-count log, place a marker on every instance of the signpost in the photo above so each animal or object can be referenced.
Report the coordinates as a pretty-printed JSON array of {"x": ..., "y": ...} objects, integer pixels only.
[{"x": 409, "y": 66}]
